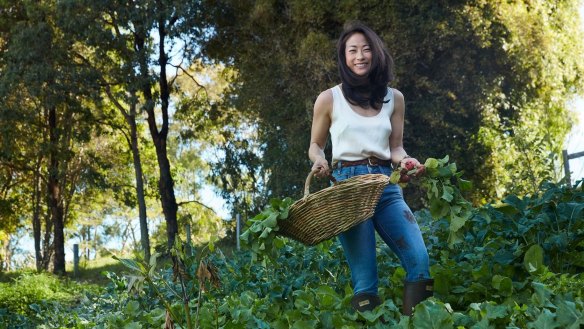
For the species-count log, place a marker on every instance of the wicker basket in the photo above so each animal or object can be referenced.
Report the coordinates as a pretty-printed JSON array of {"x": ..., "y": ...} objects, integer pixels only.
[{"x": 324, "y": 214}]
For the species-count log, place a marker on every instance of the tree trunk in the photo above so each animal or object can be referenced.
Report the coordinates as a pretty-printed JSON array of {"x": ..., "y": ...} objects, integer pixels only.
[
  {"x": 2, "y": 256},
  {"x": 144, "y": 236},
  {"x": 47, "y": 241},
  {"x": 36, "y": 217},
  {"x": 95, "y": 237},
  {"x": 165, "y": 183},
  {"x": 9, "y": 252},
  {"x": 55, "y": 202},
  {"x": 87, "y": 239},
  {"x": 7, "y": 255},
  {"x": 166, "y": 188}
]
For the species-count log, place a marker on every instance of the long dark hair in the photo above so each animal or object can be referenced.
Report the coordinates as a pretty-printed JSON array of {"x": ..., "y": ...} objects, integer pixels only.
[{"x": 370, "y": 90}]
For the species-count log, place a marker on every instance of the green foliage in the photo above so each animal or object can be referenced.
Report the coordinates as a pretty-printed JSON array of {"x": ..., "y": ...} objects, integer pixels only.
[
  {"x": 261, "y": 236},
  {"x": 484, "y": 81},
  {"x": 28, "y": 289},
  {"x": 444, "y": 186},
  {"x": 507, "y": 272}
]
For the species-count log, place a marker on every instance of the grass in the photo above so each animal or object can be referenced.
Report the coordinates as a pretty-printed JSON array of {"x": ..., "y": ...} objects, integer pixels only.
[
  {"x": 19, "y": 289},
  {"x": 7, "y": 277},
  {"x": 89, "y": 271},
  {"x": 31, "y": 288},
  {"x": 92, "y": 271}
]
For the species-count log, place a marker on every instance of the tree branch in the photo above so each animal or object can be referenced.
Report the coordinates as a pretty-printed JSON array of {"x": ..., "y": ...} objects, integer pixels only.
[{"x": 198, "y": 202}]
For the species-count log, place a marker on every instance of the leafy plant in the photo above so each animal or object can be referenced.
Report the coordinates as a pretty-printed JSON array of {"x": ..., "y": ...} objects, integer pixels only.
[
  {"x": 508, "y": 271},
  {"x": 444, "y": 186}
]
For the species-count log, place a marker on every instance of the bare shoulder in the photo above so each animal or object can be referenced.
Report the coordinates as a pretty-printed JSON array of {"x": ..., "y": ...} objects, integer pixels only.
[
  {"x": 397, "y": 95},
  {"x": 324, "y": 102},
  {"x": 398, "y": 103}
]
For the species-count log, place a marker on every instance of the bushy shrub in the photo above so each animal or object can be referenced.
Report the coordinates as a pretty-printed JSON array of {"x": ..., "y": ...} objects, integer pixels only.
[{"x": 30, "y": 288}]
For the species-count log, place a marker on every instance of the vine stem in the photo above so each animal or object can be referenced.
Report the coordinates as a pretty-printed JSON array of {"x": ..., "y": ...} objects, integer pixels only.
[
  {"x": 199, "y": 304},
  {"x": 186, "y": 303}
]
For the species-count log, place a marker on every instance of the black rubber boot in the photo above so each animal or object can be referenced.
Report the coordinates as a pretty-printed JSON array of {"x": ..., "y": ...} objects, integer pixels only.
[
  {"x": 415, "y": 292},
  {"x": 365, "y": 302}
]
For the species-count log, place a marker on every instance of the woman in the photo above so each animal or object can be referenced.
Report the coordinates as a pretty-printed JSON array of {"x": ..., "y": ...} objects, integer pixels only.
[{"x": 365, "y": 119}]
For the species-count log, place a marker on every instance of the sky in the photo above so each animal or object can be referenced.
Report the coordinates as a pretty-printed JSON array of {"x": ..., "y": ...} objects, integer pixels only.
[{"x": 575, "y": 140}]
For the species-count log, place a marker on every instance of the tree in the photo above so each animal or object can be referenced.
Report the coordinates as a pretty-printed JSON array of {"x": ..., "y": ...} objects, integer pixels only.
[
  {"x": 475, "y": 74},
  {"x": 44, "y": 89},
  {"x": 142, "y": 35},
  {"x": 207, "y": 121}
]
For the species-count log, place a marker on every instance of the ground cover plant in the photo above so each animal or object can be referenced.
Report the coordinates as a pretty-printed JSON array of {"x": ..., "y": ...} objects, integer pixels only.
[{"x": 514, "y": 264}]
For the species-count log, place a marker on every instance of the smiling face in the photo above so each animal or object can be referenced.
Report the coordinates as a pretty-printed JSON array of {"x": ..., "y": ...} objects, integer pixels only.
[{"x": 358, "y": 54}]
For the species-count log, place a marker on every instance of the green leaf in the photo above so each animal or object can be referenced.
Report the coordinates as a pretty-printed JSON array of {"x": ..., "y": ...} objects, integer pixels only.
[
  {"x": 447, "y": 193},
  {"x": 280, "y": 324},
  {"x": 394, "y": 177},
  {"x": 439, "y": 208},
  {"x": 568, "y": 315},
  {"x": 265, "y": 233},
  {"x": 284, "y": 213},
  {"x": 456, "y": 223},
  {"x": 507, "y": 209},
  {"x": 533, "y": 260},
  {"x": 431, "y": 315},
  {"x": 444, "y": 160},
  {"x": 133, "y": 325},
  {"x": 503, "y": 284},
  {"x": 245, "y": 235},
  {"x": 130, "y": 263},
  {"x": 433, "y": 191},
  {"x": 497, "y": 311},
  {"x": 303, "y": 324},
  {"x": 153, "y": 259},
  {"x": 483, "y": 324},
  {"x": 327, "y": 296},
  {"x": 271, "y": 221},
  {"x": 135, "y": 282},
  {"x": 444, "y": 172},
  {"x": 464, "y": 185},
  {"x": 431, "y": 163},
  {"x": 275, "y": 203},
  {"x": 35, "y": 307},
  {"x": 278, "y": 242},
  {"x": 515, "y": 201},
  {"x": 545, "y": 320},
  {"x": 541, "y": 296},
  {"x": 152, "y": 263},
  {"x": 133, "y": 308}
]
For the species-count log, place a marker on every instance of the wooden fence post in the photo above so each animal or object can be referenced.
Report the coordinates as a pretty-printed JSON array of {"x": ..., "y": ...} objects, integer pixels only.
[
  {"x": 75, "y": 260},
  {"x": 567, "y": 157}
]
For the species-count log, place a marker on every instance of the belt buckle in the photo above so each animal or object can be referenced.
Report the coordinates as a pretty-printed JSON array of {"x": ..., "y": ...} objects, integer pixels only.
[{"x": 371, "y": 163}]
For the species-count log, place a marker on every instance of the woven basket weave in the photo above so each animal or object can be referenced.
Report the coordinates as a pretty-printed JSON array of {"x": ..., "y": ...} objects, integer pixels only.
[{"x": 324, "y": 214}]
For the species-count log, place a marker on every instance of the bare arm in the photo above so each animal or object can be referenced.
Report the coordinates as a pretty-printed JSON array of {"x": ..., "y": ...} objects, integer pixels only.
[
  {"x": 321, "y": 122},
  {"x": 397, "y": 129}
]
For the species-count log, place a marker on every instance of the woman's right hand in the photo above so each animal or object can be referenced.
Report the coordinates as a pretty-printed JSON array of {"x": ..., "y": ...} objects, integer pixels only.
[{"x": 320, "y": 167}]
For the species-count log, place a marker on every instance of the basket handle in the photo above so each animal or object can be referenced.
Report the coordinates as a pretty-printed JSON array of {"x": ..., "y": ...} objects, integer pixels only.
[{"x": 309, "y": 179}]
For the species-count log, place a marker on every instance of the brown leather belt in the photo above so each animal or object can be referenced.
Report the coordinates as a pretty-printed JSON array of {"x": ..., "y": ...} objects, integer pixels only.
[{"x": 373, "y": 161}]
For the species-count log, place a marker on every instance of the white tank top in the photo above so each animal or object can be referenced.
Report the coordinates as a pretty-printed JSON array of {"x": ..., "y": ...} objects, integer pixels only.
[{"x": 356, "y": 137}]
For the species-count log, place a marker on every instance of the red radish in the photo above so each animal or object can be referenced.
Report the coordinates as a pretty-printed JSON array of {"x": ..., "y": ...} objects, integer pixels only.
[{"x": 409, "y": 165}]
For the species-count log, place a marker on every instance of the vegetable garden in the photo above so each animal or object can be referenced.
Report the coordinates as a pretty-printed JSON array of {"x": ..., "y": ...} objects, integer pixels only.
[{"x": 515, "y": 264}]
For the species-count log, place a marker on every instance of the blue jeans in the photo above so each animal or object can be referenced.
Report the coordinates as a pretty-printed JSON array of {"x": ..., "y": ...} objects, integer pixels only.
[{"x": 396, "y": 225}]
